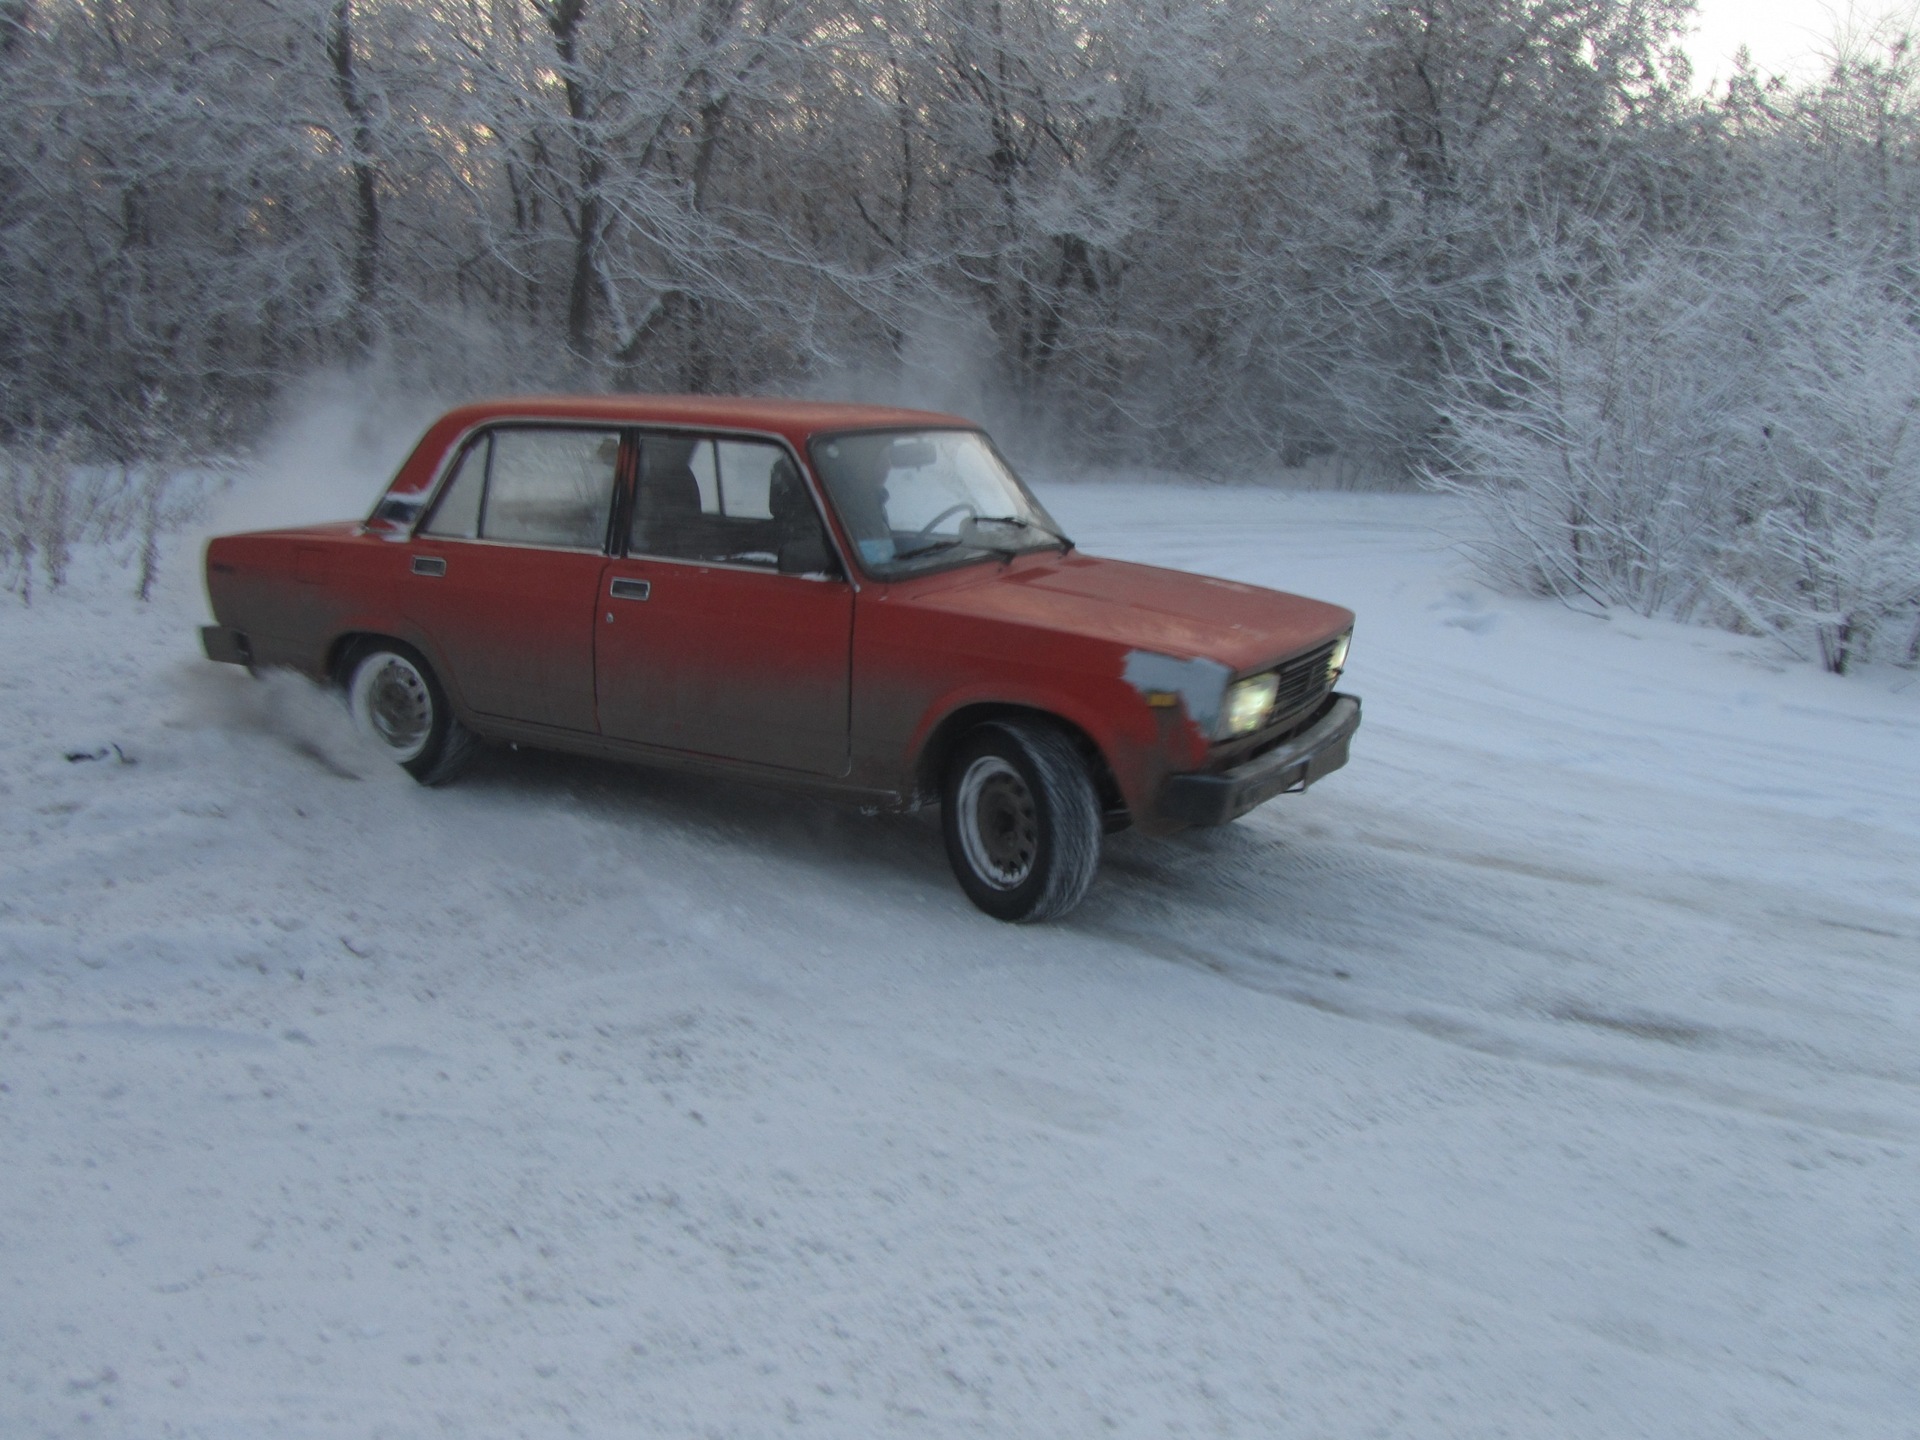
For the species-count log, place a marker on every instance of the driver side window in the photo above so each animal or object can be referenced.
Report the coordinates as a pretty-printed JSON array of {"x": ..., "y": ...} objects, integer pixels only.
[{"x": 728, "y": 502}]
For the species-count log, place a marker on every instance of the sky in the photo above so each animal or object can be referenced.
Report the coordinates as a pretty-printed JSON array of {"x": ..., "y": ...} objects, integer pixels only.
[{"x": 1785, "y": 36}]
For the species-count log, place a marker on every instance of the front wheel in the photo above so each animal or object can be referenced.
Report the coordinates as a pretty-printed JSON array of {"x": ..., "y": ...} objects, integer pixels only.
[
  {"x": 1022, "y": 821},
  {"x": 398, "y": 704}
]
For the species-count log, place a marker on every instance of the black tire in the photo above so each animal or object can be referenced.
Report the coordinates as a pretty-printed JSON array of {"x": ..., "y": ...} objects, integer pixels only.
[
  {"x": 1022, "y": 820},
  {"x": 396, "y": 701}
]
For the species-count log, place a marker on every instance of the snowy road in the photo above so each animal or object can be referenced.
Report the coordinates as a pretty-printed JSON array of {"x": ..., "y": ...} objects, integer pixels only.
[{"x": 1552, "y": 1070}]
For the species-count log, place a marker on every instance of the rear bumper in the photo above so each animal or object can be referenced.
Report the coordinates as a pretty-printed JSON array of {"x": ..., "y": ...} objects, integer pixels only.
[
  {"x": 226, "y": 645},
  {"x": 1294, "y": 765}
]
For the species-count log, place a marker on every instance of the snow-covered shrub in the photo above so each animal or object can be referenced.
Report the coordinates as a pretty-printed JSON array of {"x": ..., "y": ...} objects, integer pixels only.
[
  {"x": 1591, "y": 434},
  {"x": 1831, "y": 542},
  {"x": 37, "y": 497},
  {"x": 55, "y": 495},
  {"x": 1729, "y": 436}
]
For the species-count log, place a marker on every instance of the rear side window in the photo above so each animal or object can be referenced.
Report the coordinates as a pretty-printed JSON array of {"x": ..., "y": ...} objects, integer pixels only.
[{"x": 548, "y": 487}]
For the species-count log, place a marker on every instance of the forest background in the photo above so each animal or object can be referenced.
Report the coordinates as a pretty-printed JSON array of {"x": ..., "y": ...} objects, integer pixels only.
[{"x": 1666, "y": 343}]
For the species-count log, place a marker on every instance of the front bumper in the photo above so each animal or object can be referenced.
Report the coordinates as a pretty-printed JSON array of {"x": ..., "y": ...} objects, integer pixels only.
[{"x": 1292, "y": 765}]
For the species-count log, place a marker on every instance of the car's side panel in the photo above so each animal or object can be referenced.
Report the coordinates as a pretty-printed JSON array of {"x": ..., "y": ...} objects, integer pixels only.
[
  {"x": 513, "y": 625},
  {"x": 606, "y": 748},
  {"x": 293, "y": 592},
  {"x": 295, "y": 595},
  {"x": 723, "y": 661},
  {"x": 915, "y": 666}
]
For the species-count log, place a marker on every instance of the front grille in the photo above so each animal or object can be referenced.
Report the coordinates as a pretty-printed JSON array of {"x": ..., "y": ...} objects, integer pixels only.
[{"x": 1304, "y": 683}]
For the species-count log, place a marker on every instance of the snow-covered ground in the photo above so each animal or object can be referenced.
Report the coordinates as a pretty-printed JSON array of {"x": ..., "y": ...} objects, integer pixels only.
[{"x": 1553, "y": 1070}]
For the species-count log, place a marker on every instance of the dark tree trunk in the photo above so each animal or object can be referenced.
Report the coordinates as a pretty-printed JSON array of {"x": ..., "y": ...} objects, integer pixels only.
[
  {"x": 564, "y": 19},
  {"x": 365, "y": 266}
]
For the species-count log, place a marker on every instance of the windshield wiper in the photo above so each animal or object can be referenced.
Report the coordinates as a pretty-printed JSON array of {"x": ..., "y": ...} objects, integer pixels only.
[
  {"x": 1025, "y": 524},
  {"x": 927, "y": 549},
  {"x": 973, "y": 524}
]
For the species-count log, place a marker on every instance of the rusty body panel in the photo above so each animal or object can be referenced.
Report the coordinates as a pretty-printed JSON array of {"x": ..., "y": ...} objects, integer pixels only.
[{"x": 836, "y": 680}]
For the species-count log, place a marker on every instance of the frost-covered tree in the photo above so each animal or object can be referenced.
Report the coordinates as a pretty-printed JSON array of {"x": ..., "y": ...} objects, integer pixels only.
[
  {"x": 1594, "y": 433},
  {"x": 1829, "y": 542},
  {"x": 1194, "y": 226},
  {"x": 1722, "y": 423}
]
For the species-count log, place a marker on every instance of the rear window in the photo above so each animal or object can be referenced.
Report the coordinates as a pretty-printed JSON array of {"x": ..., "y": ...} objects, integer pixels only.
[{"x": 531, "y": 486}]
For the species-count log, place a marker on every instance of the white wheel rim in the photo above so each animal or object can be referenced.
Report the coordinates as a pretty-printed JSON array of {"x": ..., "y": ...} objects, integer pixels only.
[
  {"x": 392, "y": 705},
  {"x": 999, "y": 823}
]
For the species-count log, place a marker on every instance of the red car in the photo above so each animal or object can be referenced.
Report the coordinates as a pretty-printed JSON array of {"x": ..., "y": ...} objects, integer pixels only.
[{"x": 867, "y": 602}]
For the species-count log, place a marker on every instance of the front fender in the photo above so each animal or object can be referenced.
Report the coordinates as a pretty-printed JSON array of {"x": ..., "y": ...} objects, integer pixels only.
[{"x": 1140, "y": 745}]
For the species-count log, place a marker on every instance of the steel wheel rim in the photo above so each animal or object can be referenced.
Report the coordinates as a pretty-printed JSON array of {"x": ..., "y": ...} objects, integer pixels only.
[
  {"x": 999, "y": 823},
  {"x": 394, "y": 706}
]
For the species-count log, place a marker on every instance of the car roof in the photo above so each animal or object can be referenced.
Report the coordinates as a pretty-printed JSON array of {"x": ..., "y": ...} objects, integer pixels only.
[{"x": 795, "y": 419}]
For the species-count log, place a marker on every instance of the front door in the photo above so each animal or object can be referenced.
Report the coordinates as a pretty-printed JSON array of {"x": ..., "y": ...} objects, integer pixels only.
[
  {"x": 725, "y": 627},
  {"x": 505, "y": 569}
]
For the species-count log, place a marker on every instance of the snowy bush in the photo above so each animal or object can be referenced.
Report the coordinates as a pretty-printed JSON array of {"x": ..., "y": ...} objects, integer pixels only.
[
  {"x": 1828, "y": 541},
  {"x": 1711, "y": 436},
  {"x": 1720, "y": 422},
  {"x": 56, "y": 495},
  {"x": 1592, "y": 434}
]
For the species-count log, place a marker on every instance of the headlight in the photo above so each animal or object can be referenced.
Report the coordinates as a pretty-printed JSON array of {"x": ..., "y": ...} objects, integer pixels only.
[
  {"x": 1337, "y": 661},
  {"x": 1248, "y": 702}
]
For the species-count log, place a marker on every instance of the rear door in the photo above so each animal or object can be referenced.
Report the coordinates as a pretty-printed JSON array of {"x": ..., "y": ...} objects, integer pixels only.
[
  {"x": 725, "y": 622},
  {"x": 505, "y": 570}
]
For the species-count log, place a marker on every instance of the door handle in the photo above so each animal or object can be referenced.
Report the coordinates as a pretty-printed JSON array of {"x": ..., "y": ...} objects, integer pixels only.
[
  {"x": 429, "y": 565},
  {"x": 630, "y": 589}
]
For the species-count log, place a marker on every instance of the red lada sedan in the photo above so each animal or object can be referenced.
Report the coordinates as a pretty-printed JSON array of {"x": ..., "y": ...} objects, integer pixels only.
[{"x": 866, "y": 602}]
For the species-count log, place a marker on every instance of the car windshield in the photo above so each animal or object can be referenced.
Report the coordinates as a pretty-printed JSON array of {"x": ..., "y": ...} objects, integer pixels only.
[{"x": 913, "y": 500}]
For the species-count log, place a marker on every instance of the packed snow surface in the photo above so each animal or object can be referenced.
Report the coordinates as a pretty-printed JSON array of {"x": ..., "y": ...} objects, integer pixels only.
[{"x": 1549, "y": 1071}]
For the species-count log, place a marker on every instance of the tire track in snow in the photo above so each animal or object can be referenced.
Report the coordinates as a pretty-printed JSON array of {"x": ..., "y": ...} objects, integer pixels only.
[
  {"x": 1471, "y": 1032},
  {"x": 1447, "y": 933}
]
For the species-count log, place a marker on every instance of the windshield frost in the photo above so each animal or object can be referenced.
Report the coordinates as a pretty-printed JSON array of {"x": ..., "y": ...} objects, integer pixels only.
[{"x": 916, "y": 499}]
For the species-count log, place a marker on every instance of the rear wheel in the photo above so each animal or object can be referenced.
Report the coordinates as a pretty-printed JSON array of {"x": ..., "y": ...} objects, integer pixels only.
[
  {"x": 398, "y": 704},
  {"x": 1022, "y": 820}
]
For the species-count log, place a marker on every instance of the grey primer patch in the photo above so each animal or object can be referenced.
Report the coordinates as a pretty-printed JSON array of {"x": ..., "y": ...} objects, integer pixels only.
[{"x": 1200, "y": 684}]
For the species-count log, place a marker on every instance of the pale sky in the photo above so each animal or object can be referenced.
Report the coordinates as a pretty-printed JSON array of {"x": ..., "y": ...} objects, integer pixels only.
[{"x": 1786, "y": 36}]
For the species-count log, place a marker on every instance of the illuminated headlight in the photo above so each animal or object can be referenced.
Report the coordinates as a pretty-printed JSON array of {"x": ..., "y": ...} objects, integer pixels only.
[
  {"x": 1247, "y": 704},
  {"x": 1337, "y": 661}
]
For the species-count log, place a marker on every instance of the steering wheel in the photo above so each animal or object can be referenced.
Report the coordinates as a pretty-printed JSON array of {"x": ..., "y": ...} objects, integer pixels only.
[{"x": 927, "y": 529}]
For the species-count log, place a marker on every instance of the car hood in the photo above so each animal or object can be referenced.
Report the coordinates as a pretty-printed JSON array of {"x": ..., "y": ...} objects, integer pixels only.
[{"x": 1141, "y": 607}]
